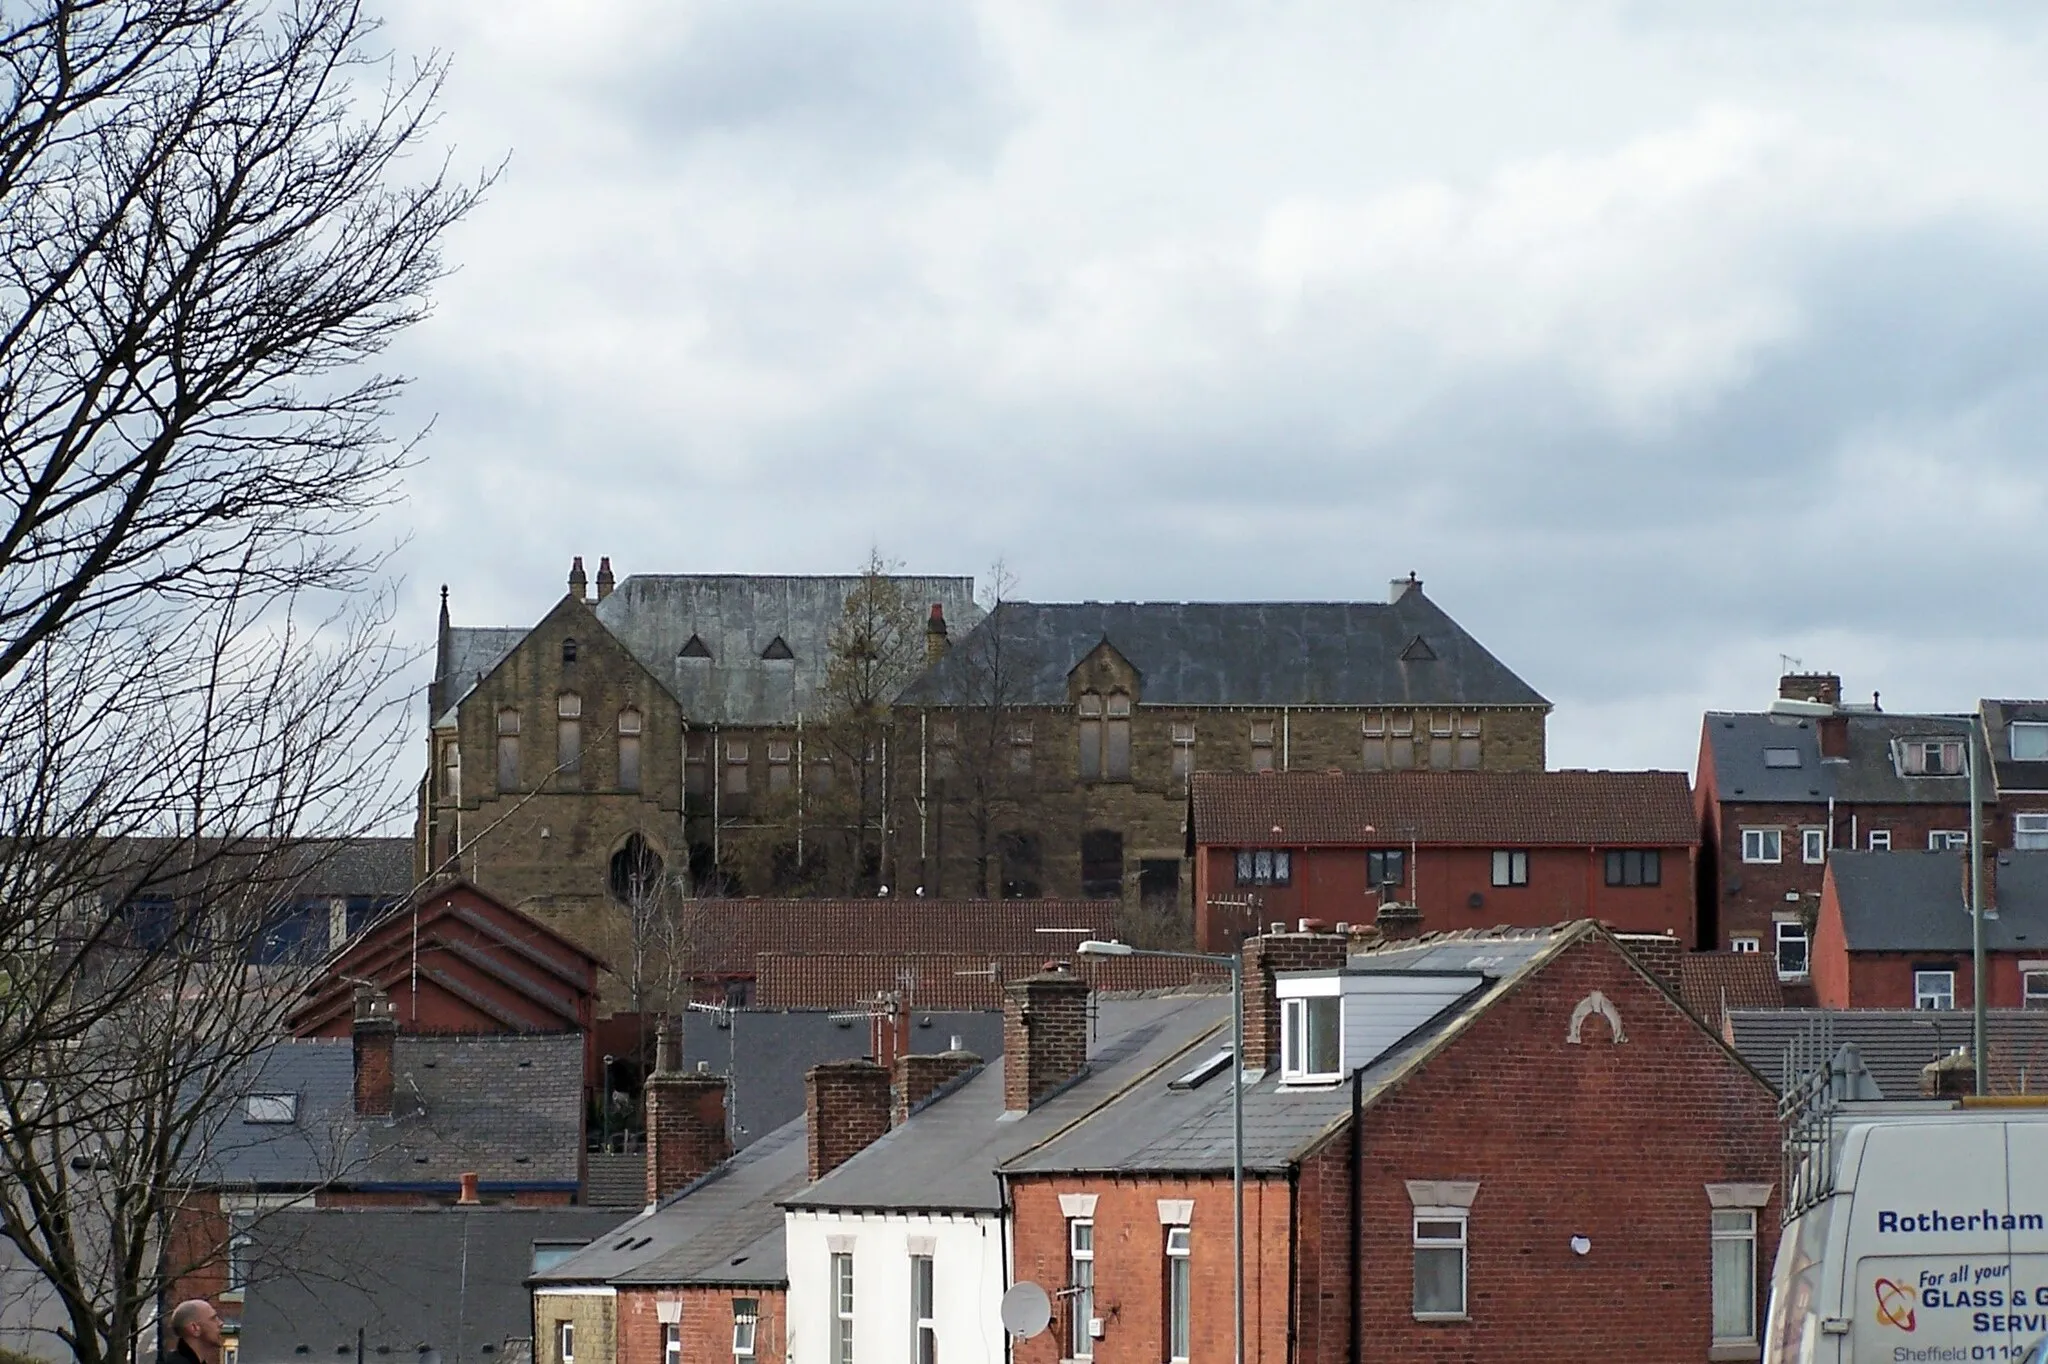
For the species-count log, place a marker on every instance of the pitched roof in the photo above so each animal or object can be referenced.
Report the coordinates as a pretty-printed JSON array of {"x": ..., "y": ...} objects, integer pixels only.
[
  {"x": 727, "y": 935},
  {"x": 1896, "y": 1043},
  {"x": 1155, "y": 1127},
  {"x": 724, "y": 1229},
  {"x": 1711, "y": 983},
  {"x": 414, "y": 1279},
  {"x": 472, "y": 653},
  {"x": 946, "y": 980},
  {"x": 309, "y": 870},
  {"x": 1999, "y": 718},
  {"x": 1770, "y": 759},
  {"x": 1240, "y": 654},
  {"x": 945, "y": 1157},
  {"x": 767, "y": 1051},
  {"x": 1351, "y": 809},
  {"x": 1914, "y": 901},
  {"x": 509, "y": 1109}
]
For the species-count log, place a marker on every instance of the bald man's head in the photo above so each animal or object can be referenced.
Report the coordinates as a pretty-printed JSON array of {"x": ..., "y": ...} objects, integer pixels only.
[{"x": 198, "y": 1325}]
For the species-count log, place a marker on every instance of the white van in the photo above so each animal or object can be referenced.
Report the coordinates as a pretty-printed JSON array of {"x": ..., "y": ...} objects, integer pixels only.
[{"x": 1931, "y": 1246}]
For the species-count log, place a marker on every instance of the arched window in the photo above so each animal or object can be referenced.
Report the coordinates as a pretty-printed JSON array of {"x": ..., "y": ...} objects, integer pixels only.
[
  {"x": 1091, "y": 736},
  {"x": 569, "y": 650},
  {"x": 508, "y": 749},
  {"x": 629, "y": 749},
  {"x": 569, "y": 732},
  {"x": 636, "y": 873}
]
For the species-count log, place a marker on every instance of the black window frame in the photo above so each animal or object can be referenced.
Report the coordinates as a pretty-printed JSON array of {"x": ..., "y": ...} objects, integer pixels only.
[{"x": 1634, "y": 867}]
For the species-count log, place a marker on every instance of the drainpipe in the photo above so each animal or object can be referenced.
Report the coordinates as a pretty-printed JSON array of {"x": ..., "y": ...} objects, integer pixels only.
[
  {"x": 1286, "y": 742},
  {"x": 799, "y": 793},
  {"x": 1354, "y": 1350},
  {"x": 717, "y": 775}
]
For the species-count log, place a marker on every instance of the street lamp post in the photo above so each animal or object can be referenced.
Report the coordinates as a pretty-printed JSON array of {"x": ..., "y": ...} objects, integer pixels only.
[{"x": 1097, "y": 948}]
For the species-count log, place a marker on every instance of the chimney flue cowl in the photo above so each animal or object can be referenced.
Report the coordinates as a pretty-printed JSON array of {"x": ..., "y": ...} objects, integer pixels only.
[
  {"x": 468, "y": 1198},
  {"x": 1401, "y": 587}
]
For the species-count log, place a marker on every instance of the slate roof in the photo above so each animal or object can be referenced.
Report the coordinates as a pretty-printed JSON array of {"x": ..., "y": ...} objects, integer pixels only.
[
  {"x": 724, "y": 1229},
  {"x": 1711, "y": 983},
  {"x": 472, "y": 653},
  {"x": 1738, "y": 741},
  {"x": 1896, "y": 1043},
  {"x": 727, "y": 935},
  {"x": 223, "y": 871},
  {"x": 945, "y": 1157},
  {"x": 1493, "y": 809},
  {"x": 766, "y": 1052},
  {"x": 1402, "y": 653},
  {"x": 1914, "y": 902},
  {"x": 1153, "y": 1128},
  {"x": 1998, "y": 717},
  {"x": 946, "y": 980},
  {"x": 508, "y": 1108},
  {"x": 447, "y": 1279}
]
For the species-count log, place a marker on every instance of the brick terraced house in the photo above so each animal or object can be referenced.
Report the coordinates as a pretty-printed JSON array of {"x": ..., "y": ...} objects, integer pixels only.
[
  {"x": 1441, "y": 851},
  {"x": 1894, "y": 931}
]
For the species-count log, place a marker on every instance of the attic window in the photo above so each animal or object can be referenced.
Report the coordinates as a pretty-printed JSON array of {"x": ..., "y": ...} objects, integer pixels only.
[
  {"x": 696, "y": 648},
  {"x": 272, "y": 1108},
  {"x": 1781, "y": 757},
  {"x": 1418, "y": 651},
  {"x": 777, "y": 651},
  {"x": 569, "y": 651},
  {"x": 1203, "y": 1073}
]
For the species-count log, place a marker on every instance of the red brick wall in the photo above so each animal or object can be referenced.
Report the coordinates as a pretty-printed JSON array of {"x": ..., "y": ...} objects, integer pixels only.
[
  {"x": 1760, "y": 888},
  {"x": 1130, "y": 1266},
  {"x": 197, "y": 1262},
  {"x": 706, "y": 1323},
  {"x": 1045, "y": 1036},
  {"x": 1329, "y": 885},
  {"x": 846, "y": 1106},
  {"x": 1264, "y": 956},
  {"x": 1619, "y": 1150},
  {"x": 686, "y": 1133}
]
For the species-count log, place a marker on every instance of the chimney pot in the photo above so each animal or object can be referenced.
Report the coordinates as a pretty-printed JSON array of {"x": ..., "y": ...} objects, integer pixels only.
[{"x": 468, "y": 1198}]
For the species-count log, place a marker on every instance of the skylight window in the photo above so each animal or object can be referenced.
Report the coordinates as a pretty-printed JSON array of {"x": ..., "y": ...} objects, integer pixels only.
[
  {"x": 1781, "y": 757},
  {"x": 273, "y": 1108},
  {"x": 1208, "y": 1070}
]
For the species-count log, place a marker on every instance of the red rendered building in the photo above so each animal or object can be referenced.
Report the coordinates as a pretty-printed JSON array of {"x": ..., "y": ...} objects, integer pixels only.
[{"x": 1441, "y": 851}]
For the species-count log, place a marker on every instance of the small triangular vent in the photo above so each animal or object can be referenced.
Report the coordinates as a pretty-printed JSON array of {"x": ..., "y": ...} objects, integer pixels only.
[
  {"x": 777, "y": 649},
  {"x": 1418, "y": 651},
  {"x": 696, "y": 648}
]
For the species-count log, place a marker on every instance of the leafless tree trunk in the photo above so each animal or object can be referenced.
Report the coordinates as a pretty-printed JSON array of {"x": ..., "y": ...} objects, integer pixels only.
[{"x": 992, "y": 786}]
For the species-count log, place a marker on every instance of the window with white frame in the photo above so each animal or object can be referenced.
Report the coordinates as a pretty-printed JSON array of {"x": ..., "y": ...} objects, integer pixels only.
[
  {"x": 2034, "y": 989},
  {"x": 2030, "y": 831},
  {"x": 1934, "y": 988},
  {"x": 1510, "y": 867},
  {"x": 1880, "y": 840},
  {"x": 1930, "y": 757},
  {"x": 1948, "y": 840},
  {"x": 1734, "y": 1233},
  {"x": 565, "y": 1342},
  {"x": 672, "y": 1342},
  {"x": 1744, "y": 945},
  {"x": 1180, "y": 1293},
  {"x": 1440, "y": 743},
  {"x": 779, "y": 754},
  {"x": 1762, "y": 845},
  {"x": 1262, "y": 745},
  {"x": 2029, "y": 740},
  {"x": 746, "y": 1326},
  {"x": 1440, "y": 1262},
  {"x": 924, "y": 1311},
  {"x": 1813, "y": 845},
  {"x": 240, "y": 1244},
  {"x": 1792, "y": 950},
  {"x": 1080, "y": 1288},
  {"x": 1310, "y": 1039},
  {"x": 842, "y": 1308}
]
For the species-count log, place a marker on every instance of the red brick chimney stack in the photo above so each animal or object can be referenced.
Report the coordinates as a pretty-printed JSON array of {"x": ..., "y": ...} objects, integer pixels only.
[
  {"x": 1990, "y": 865},
  {"x": 1263, "y": 958},
  {"x": 846, "y": 1107},
  {"x": 1825, "y": 688},
  {"x": 376, "y": 1037},
  {"x": 1834, "y": 737},
  {"x": 917, "y": 1078},
  {"x": 686, "y": 1131},
  {"x": 1045, "y": 1035}
]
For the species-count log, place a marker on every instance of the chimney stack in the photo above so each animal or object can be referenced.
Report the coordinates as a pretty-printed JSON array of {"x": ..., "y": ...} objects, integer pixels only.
[
  {"x": 1953, "y": 1076},
  {"x": 1401, "y": 587},
  {"x": 936, "y": 641},
  {"x": 889, "y": 1030},
  {"x": 1045, "y": 1035},
  {"x": 917, "y": 1078},
  {"x": 578, "y": 584},
  {"x": 1834, "y": 737},
  {"x": 376, "y": 1037},
  {"x": 1264, "y": 957},
  {"x": 605, "y": 581},
  {"x": 468, "y": 1198},
  {"x": 1989, "y": 861},
  {"x": 846, "y": 1108},
  {"x": 1823, "y": 687},
  {"x": 686, "y": 1132}
]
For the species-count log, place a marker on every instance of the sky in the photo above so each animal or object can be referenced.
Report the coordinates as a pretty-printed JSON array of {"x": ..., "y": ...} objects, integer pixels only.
[{"x": 1663, "y": 342}]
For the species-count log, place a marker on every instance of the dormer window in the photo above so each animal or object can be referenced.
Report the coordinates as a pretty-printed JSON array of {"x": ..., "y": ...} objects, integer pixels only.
[
  {"x": 2029, "y": 741},
  {"x": 1310, "y": 1032},
  {"x": 1930, "y": 757}
]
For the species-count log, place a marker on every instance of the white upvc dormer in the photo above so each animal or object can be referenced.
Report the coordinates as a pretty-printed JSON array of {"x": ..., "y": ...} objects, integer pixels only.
[{"x": 1333, "y": 1022}]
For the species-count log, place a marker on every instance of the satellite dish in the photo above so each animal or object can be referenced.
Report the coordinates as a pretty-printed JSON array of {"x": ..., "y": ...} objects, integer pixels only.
[{"x": 1026, "y": 1310}]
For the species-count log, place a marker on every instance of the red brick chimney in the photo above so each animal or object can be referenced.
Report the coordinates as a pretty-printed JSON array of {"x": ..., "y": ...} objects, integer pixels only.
[
  {"x": 1822, "y": 687},
  {"x": 1834, "y": 736},
  {"x": 917, "y": 1078},
  {"x": 936, "y": 640},
  {"x": 1990, "y": 864},
  {"x": 846, "y": 1108},
  {"x": 1263, "y": 957},
  {"x": 686, "y": 1132},
  {"x": 1045, "y": 1035},
  {"x": 376, "y": 1037}
]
